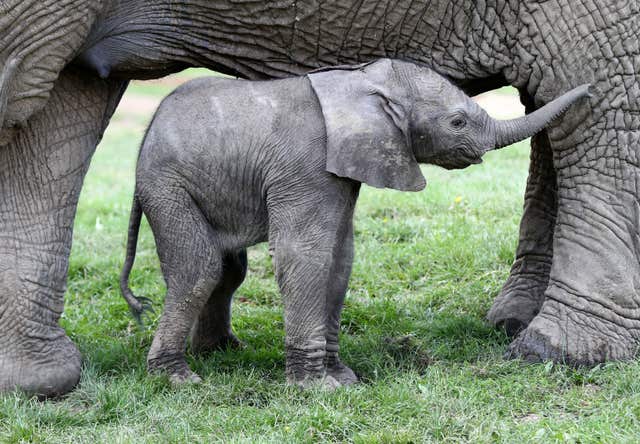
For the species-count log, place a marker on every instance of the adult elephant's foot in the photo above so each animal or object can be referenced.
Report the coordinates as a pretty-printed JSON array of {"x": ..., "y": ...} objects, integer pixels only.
[
  {"x": 591, "y": 311},
  {"x": 306, "y": 369},
  {"x": 46, "y": 368},
  {"x": 186, "y": 377},
  {"x": 570, "y": 335},
  {"x": 522, "y": 295}
]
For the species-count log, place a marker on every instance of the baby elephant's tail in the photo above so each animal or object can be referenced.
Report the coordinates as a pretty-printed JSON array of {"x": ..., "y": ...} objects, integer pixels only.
[{"x": 138, "y": 305}]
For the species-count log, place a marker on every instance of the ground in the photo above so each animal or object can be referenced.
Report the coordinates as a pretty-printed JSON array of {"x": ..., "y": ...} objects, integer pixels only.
[{"x": 427, "y": 267}]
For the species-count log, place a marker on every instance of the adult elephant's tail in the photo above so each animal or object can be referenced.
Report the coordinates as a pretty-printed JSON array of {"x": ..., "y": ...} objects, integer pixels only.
[{"x": 138, "y": 305}]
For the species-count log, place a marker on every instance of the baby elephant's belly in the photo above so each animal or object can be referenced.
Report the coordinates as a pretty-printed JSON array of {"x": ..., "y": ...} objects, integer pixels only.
[
  {"x": 232, "y": 203},
  {"x": 230, "y": 214},
  {"x": 238, "y": 220}
]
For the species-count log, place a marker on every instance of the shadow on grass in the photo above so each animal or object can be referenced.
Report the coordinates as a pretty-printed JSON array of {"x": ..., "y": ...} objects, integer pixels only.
[
  {"x": 441, "y": 340},
  {"x": 377, "y": 340},
  {"x": 260, "y": 365}
]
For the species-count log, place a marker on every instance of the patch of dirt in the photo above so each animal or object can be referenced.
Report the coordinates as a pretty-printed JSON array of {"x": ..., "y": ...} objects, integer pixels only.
[
  {"x": 407, "y": 350},
  {"x": 529, "y": 417},
  {"x": 174, "y": 80},
  {"x": 142, "y": 105},
  {"x": 136, "y": 104}
]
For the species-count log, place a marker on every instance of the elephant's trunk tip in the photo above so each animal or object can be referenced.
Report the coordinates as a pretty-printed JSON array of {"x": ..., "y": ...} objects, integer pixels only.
[
  {"x": 558, "y": 106},
  {"x": 511, "y": 131},
  {"x": 586, "y": 90}
]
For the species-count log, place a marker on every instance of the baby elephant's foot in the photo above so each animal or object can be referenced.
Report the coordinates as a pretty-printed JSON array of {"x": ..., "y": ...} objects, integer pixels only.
[
  {"x": 183, "y": 378},
  {"x": 310, "y": 370},
  {"x": 306, "y": 369},
  {"x": 202, "y": 345},
  {"x": 326, "y": 382},
  {"x": 175, "y": 367},
  {"x": 340, "y": 372}
]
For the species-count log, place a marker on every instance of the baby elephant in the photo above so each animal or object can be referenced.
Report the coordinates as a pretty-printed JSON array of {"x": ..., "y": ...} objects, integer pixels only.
[{"x": 227, "y": 164}]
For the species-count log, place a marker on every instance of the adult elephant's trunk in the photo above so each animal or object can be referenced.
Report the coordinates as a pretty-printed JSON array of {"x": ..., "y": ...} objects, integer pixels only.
[
  {"x": 511, "y": 131},
  {"x": 5, "y": 80}
]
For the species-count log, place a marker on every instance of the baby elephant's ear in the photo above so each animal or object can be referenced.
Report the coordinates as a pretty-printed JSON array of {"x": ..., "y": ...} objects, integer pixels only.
[{"x": 366, "y": 137}]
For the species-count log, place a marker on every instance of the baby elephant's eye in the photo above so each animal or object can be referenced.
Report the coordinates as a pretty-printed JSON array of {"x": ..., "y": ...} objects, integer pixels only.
[{"x": 458, "y": 122}]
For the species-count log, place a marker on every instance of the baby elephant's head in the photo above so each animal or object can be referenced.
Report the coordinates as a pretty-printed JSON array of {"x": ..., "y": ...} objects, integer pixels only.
[
  {"x": 384, "y": 118},
  {"x": 447, "y": 128}
]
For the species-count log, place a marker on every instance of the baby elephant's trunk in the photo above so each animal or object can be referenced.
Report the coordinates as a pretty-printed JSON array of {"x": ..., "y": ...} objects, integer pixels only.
[{"x": 511, "y": 131}]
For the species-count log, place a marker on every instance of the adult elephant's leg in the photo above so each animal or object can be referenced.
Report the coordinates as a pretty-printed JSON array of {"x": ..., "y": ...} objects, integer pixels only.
[
  {"x": 41, "y": 173},
  {"x": 522, "y": 295},
  {"x": 212, "y": 330},
  {"x": 591, "y": 310}
]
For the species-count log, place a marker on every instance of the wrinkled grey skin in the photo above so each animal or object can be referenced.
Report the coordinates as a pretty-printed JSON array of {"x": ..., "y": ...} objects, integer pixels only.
[
  {"x": 227, "y": 164},
  {"x": 63, "y": 65}
]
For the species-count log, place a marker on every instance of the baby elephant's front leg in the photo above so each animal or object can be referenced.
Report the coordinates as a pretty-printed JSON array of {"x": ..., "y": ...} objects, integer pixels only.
[
  {"x": 338, "y": 283},
  {"x": 303, "y": 272}
]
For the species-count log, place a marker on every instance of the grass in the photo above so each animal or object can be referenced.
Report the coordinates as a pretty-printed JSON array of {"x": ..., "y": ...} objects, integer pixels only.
[{"x": 427, "y": 268}]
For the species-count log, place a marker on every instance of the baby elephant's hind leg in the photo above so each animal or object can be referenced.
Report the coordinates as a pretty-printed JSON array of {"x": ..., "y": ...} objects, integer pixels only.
[
  {"x": 212, "y": 330},
  {"x": 192, "y": 267}
]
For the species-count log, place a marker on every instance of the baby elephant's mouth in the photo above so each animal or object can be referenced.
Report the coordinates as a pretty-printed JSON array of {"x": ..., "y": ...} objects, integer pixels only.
[
  {"x": 457, "y": 164},
  {"x": 463, "y": 158}
]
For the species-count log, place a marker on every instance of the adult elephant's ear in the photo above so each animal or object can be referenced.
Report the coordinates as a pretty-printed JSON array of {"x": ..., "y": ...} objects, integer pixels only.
[{"x": 366, "y": 127}]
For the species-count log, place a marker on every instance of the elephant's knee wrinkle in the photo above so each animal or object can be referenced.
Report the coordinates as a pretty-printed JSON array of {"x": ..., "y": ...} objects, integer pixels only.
[
  {"x": 303, "y": 251},
  {"x": 332, "y": 346},
  {"x": 302, "y": 364},
  {"x": 306, "y": 344},
  {"x": 166, "y": 361}
]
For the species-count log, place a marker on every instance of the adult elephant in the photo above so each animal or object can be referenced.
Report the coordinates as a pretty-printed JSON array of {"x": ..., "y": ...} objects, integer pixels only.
[{"x": 573, "y": 289}]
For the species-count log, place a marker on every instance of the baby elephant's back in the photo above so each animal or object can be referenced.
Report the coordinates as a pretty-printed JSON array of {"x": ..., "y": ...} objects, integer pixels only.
[{"x": 222, "y": 121}]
